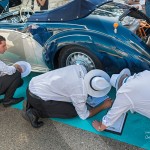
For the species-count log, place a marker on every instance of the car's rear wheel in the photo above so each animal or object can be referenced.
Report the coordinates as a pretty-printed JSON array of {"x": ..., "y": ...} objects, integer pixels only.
[{"x": 78, "y": 55}]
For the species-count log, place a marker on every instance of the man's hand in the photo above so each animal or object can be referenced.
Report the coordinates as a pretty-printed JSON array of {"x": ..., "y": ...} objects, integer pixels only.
[
  {"x": 18, "y": 68},
  {"x": 107, "y": 103},
  {"x": 98, "y": 125}
]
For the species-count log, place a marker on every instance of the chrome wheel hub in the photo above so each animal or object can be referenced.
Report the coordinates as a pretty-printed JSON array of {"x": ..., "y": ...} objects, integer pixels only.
[{"x": 79, "y": 58}]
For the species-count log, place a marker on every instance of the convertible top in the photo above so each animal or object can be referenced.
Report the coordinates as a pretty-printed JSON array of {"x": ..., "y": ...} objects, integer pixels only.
[{"x": 73, "y": 10}]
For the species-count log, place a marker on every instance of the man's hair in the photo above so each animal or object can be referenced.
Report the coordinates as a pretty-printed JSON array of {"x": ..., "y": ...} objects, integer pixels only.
[{"x": 2, "y": 39}]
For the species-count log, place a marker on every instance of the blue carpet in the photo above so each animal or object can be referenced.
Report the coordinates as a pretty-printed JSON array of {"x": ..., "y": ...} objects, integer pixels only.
[{"x": 136, "y": 130}]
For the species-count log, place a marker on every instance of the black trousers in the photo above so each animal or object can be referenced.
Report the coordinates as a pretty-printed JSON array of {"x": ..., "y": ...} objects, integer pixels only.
[
  {"x": 9, "y": 84},
  {"x": 50, "y": 108}
]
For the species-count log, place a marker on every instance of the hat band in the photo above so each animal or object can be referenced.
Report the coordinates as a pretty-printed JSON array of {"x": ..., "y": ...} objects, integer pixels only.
[
  {"x": 91, "y": 83},
  {"x": 122, "y": 80},
  {"x": 125, "y": 80}
]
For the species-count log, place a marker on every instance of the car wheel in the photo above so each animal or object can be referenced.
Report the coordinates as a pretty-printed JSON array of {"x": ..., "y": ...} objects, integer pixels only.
[{"x": 80, "y": 56}]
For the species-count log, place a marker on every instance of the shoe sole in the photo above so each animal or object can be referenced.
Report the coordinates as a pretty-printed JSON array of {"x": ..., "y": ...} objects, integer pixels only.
[{"x": 13, "y": 103}]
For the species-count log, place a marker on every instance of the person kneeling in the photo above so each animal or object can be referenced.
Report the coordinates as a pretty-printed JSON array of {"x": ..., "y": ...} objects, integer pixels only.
[
  {"x": 132, "y": 94},
  {"x": 10, "y": 78},
  {"x": 62, "y": 93}
]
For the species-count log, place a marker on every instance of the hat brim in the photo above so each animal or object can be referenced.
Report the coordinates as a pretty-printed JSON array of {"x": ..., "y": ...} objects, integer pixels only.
[
  {"x": 87, "y": 80},
  {"x": 26, "y": 67},
  {"x": 124, "y": 71}
]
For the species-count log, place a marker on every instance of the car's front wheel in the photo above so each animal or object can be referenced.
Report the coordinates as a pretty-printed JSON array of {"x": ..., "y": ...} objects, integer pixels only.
[{"x": 78, "y": 55}]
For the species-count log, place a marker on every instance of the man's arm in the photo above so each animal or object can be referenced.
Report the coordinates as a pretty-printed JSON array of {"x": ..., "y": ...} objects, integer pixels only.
[
  {"x": 79, "y": 102},
  {"x": 121, "y": 105},
  {"x": 82, "y": 110},
  {"x": 106, "y": 104},
  {"x": 5, "y": 69}
]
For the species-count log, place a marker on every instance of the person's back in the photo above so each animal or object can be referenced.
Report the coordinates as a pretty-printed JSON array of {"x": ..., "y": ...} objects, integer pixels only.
[
  {"x": 59, "y": 84},
  {"x": 136, "y": 90}
]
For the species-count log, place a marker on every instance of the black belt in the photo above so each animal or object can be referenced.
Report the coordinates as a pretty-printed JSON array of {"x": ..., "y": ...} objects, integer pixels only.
[{"x": 33, "y": 95}]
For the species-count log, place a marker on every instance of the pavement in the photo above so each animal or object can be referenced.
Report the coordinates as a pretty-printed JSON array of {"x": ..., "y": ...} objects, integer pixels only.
[{"x": 18, "y": 134}]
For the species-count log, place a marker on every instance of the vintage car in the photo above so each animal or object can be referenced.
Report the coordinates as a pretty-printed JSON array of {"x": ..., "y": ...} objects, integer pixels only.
[{"x": 97, "y": 34}]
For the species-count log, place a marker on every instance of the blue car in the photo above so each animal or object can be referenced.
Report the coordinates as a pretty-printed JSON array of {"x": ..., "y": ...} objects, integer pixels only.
[{"x": 97, "y": 34}]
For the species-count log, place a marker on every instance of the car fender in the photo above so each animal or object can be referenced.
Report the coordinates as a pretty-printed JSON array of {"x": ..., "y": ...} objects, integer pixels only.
[
  {"x": 100, "y": 44},
  {"x": 86, "y": 38},
  {"x": 53, "y": 47}
]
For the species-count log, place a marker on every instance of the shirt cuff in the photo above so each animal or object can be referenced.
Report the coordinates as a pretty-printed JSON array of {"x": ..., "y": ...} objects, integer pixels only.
[
  {"x": 106, "y": 122},
  {"x": 85, "y": 116},
  {"x": 13, "y": 68}
]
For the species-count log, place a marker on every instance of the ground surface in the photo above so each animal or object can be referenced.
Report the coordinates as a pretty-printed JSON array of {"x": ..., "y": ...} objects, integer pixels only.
[{"x": 17, "y": 134}]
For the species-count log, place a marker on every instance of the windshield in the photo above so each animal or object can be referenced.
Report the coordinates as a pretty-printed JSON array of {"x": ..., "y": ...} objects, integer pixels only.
[{"x": 111, "y": 9}]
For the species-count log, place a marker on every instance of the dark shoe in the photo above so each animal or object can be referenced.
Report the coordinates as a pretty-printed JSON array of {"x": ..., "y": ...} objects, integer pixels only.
[
  {"x": 11, "y": 101},
  {"x": 24, "y": 115},
  {"x": 33, "y": 119}
]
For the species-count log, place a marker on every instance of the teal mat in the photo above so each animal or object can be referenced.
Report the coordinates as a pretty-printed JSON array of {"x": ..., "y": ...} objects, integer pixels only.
[{"x": 136, "y": 130}]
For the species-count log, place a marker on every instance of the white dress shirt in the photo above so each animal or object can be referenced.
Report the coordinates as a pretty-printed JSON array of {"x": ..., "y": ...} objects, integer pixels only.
[
  {"x": 64, "y": 84},
  {"x": 133, "y": 95},
  {"x": 5, "y": 69}
]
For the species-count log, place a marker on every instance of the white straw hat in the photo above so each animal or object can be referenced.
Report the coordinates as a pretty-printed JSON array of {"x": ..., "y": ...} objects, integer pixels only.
[
  {"x": 97, "y": 83},
  {"x": 26, "y": 68},
  {"x": 116, "y": 77}
]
